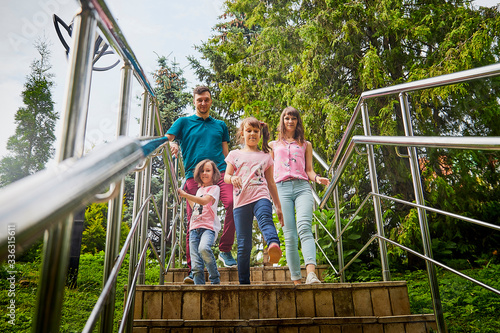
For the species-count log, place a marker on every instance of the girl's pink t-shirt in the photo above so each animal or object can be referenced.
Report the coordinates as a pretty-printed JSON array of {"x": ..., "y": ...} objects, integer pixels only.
[
  {"x": 206, "y": 216},
  {"x": 289, "y": 160},
  {"x": 250, "y": 166}
]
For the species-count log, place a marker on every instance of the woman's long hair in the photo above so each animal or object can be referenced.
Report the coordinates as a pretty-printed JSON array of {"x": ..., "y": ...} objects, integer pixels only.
[
  {"x": 264, "y": 132},
  {"x": 299, "y": 130}
]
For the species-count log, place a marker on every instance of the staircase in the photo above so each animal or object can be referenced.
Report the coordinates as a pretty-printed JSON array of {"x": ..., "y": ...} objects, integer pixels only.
[{"x": 273, "y": 304}]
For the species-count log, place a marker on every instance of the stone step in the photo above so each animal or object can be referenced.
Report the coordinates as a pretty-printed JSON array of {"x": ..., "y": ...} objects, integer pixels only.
[
  {"x": 259, "y": 274},
  {"x": 245, "y": 302},
  {"x": 365, "y": 324}
]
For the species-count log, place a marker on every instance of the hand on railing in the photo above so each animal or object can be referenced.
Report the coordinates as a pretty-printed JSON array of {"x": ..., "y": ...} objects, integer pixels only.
[
  {"x": 181, "y": 193},
  {"x": 322, "y": 180},
  {"x": 174, "y": 148}
]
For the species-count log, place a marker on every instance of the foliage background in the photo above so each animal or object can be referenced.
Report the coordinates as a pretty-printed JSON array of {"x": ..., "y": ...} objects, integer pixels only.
[{"x": 320, "y": 55}]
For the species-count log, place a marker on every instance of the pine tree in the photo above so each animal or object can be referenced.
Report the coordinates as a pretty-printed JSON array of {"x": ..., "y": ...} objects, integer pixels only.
[
  {"x": 169, "y": 90},
  {"x": 31, "y": 146}
]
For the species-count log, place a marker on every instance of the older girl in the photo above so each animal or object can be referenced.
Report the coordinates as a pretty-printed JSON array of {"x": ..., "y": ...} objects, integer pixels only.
[{"x": 250, "y": 170}]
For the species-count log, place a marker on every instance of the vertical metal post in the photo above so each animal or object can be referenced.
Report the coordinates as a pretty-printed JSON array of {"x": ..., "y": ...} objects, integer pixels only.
[
  {"x": 115, "y": 205},
  {"x": 182, "y": 233},
  {"x": 422, "y": 217},
  {"x": 386, "y": 274},
  {"x": 146, "y": 190},
  {"x": 165, "y": 226},
  {"x": 173, "y": 227},
  {"x": 138, "y": 199},
  {"x": 57, "y": 240},
  {"x": 338, "y": 230}
]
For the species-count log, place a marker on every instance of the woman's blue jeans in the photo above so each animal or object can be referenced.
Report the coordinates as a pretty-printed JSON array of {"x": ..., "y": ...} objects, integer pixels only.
[
  {"x": 297, "y": 206},
  {"x": 200, "y": 244},
  {"x": 243, "y": 220}
]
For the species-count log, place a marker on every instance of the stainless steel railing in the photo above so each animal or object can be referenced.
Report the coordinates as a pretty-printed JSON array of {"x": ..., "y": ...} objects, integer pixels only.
[
  {"x": 348, "y": 145},
  {"x": 44, "y": 202},
  {"x": 36, "y": 203}
]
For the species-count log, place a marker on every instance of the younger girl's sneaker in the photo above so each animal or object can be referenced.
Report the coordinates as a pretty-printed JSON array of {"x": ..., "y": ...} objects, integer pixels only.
[
  {"x": 274, "y": 252},
  {"x": 312, "y": 278}
]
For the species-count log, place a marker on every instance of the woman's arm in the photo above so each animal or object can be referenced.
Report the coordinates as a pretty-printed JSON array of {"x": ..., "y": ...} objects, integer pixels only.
[
  {"x": 192, "y": 199},
  {"x": 271, "y": 144},
  {"x": 274, "y": 193},
  {"x": 309, "y": 167}
]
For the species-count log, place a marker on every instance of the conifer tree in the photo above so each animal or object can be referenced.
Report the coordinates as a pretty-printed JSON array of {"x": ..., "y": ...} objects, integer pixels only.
[
  {"x": 31, "y": 146},
  {"x": 170, "y": 91}
]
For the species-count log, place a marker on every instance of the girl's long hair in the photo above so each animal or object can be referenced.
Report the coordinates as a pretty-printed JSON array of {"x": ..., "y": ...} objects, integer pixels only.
[
  {"x": 299, "y": 130},
  {"x": 199, "y": 168},
  {"x": 264, "y": 132}
]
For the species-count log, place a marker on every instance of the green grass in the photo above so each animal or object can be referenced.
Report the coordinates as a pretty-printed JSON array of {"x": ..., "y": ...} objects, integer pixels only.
[
  {"x": 78, "y": 303},
  {"x": 467, "y": 307}
]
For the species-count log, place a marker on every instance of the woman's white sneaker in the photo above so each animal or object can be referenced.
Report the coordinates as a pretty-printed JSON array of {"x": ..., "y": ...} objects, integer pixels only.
[{"x": 312, "y": 278}]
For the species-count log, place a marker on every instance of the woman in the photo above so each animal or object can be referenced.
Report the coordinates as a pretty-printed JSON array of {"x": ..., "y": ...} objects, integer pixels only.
[{"x": 293, "y": 169}]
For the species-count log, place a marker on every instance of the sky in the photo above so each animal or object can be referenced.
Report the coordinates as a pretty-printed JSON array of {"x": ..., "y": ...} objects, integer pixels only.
[{"x": 165, "y": 28}]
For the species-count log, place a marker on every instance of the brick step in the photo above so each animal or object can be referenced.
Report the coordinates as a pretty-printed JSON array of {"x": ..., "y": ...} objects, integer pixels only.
[
  {"x": 238, "y": 302},
  {"x": 236, "y": 283},
  {"x": 258, "y": 274},
  {"x": 366, "y": 324}
]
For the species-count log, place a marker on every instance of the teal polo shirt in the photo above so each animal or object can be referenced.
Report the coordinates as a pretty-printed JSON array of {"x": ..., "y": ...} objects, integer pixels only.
[{"x": 200, "y": 139}]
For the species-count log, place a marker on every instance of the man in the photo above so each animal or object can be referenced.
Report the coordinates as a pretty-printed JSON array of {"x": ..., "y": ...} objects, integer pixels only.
[{"x": 201, "y": 137}]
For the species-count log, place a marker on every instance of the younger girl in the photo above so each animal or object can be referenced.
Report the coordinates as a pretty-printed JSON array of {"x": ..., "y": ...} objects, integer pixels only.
[
  {"x": 204, "y": 225},
  {"x": 251, "y": 173}
]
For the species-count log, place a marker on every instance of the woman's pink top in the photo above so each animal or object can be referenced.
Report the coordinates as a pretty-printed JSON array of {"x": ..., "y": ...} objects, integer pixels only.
[
  {"x": 251, "y": 167},
  {"x": 289, "y": 160}
]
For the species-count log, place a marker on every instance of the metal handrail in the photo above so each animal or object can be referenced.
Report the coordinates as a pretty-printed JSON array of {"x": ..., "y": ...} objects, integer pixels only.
[
  {"x": 442, "y": 212},
  {"x": 326, "y": 257},
  {"x": 456, "y": 142},
  {"x": 447, "y": 79},
  {"x": 131, "y": 290},
  {"x": 37, "y": 202},
  {"x": 437, "y": 81},
  {"x": 116, "y": 38},
  {"x": 46, "y": 200},
  {"x": 479, "y": 283},
  {"x": 349, "y": 144},
  {"x": 481, "y": 143},
  {"x": 94, "y": 315},
  {"x": 357, "y": 254}
]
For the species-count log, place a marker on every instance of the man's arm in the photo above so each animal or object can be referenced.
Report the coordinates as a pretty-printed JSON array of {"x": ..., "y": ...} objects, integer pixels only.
[
  {"x": 174, "y": 147},
  {"x": 225, "y": 148}
]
